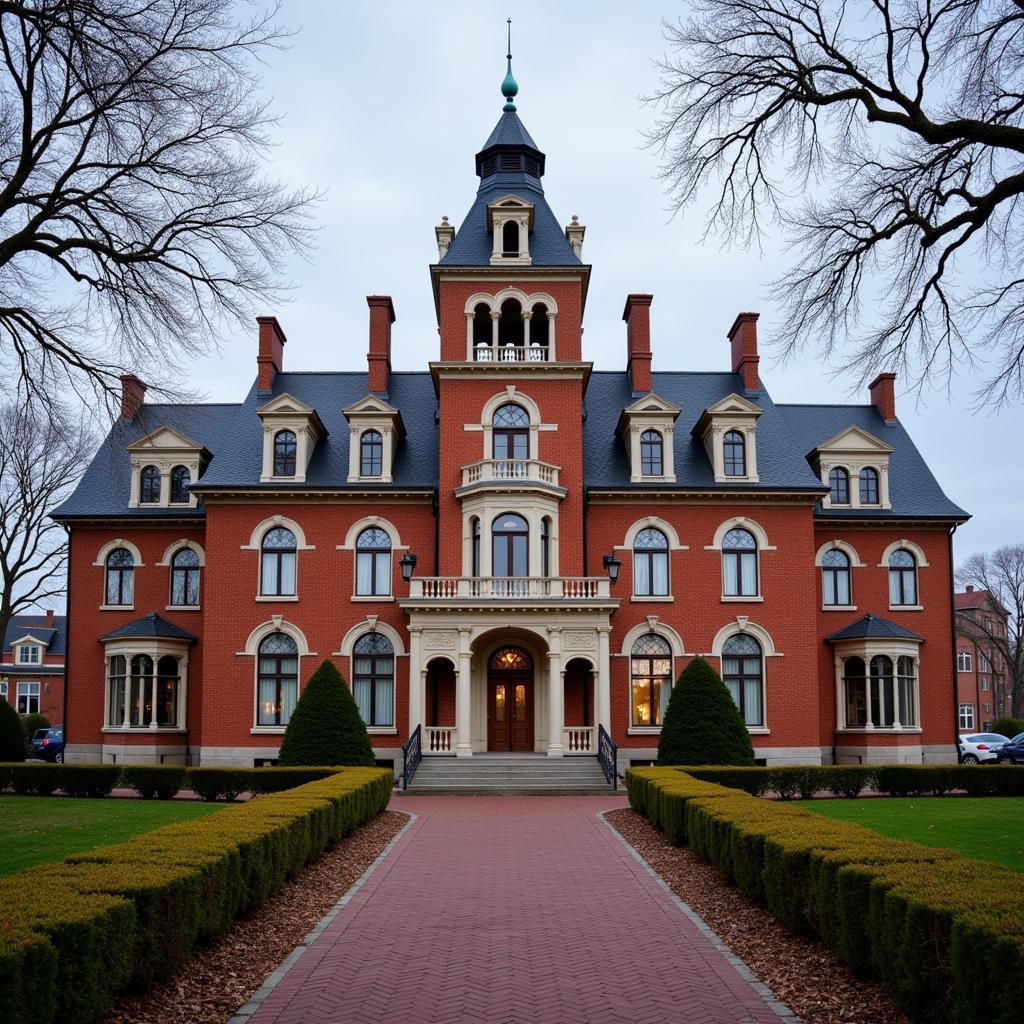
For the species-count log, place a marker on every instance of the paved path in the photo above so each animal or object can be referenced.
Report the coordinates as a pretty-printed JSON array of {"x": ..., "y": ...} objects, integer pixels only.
[{"x": 512, "y": 909}]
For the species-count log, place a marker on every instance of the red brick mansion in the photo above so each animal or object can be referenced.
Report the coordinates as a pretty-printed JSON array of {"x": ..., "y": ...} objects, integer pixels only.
[{"x": 507, "y": 548}]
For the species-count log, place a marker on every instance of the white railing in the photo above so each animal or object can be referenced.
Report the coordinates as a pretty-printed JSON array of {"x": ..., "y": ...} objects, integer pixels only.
[
  {"x": 486, "y": 470},
  {"x": 569, "y": 588},
  {"x": 511, "y": 354},
  {"x": 579, "y": 739},
  {"x": 439, "y": 739}
]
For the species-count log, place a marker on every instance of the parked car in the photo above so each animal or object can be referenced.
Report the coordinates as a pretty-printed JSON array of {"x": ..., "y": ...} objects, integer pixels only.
[
  {"x": 48, "y": 744},
  {"x": 977, "y": 747},
  {"x": 1012, "y": 751}
]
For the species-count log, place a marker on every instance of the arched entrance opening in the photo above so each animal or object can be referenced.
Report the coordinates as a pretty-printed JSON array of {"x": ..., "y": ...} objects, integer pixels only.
[
  {"x": 510, "y": 700},
  {"x": 579, "y": 707},
  {"x": 440, "y": 734}
]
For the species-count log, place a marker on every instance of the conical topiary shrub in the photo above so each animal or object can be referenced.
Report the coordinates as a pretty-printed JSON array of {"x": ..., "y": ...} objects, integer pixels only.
[
  {"x": 12, "y": 739},
  {"x": 702, "y": 723},
  {"x": 325, "y": 727}
]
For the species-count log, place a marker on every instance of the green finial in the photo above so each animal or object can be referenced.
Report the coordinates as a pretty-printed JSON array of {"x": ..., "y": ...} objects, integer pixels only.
[{"x": 509, "y": 87}]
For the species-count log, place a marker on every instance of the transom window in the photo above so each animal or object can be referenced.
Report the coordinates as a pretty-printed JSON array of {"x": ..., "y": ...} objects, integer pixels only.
[
  {"x": 28, "y": 654},
  {"x": 902, "y": 578},
  {"x": 285, "y": 449},
  {"x": 277, "y": 563},
  {"x": 511, "y": 545},
  {"x": 373, "y": 562},
  {"x": 185, "y": 578},
  {"x": 869, "y": 486},
  {"x": 739, "y": 564},
  {"x": 650, "y": 670},
  {"x": 371, "y": 453},
  {"x": 149, "y": 486},
  {"x": 28, "y": 698},
  {"x": 743, "y": 674},
  {"x": 181, "y": 481},
  {"x": 277, "y": 679},
  {"x": 650, "y": 564},
  {"x": 511, "y": 432},
  {"x": 510, "y": 659},
  {"x": 651, "y": 453},
  {"x": 835, "y": 578},
  {"x": 735, "y": 453},
  {"x": 839, "y": 486},
  {"x": 373, "y": 679},
  {"x": 966, "y": 717},
  {"x": 120, "y": 584}
]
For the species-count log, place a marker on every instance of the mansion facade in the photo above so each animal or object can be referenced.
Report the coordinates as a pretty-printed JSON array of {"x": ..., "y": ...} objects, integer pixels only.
[{"x": 508, "y": 549}]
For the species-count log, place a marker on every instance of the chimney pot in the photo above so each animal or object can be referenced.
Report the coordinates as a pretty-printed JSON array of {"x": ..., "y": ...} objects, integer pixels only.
[
  {"x": 970, "y": 589},
  {"x": 133, "y": 395},
  {"x": 743, "y": 340},
  {"x": 637, "y": 315},
  {"x": 270, "y": 360},
  {"x": 883, "y": 395},
  {"x": 378, "y": 356}
]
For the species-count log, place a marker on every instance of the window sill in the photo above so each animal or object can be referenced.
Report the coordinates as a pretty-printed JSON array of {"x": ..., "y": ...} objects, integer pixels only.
[
  {"x": 906, "y": 607},
  {"x": 888, "y": 730},
  {"x": 644, "y": 730},
  {"x": 838, "y": 607},
  {"x": 267, "y": 598},
  {"x": 753, "y": 599},
  {"x": 117, "y": 607},
  {"x": 647, "y": 598},
  {"x": 145, "y": 730},
  {"x": 380, "y": 598},
  {"x": 267, "y": 730},
  {"x": 182, "y": 608},
  {"x": 759, "y": 730},
  {"x": 381, "y": 730}
]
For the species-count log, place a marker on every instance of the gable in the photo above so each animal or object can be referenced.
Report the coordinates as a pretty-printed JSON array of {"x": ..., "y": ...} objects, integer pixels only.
[
  {"x": 854, "y": 439},
  {"x": 285, "y": 405},
  {"x": 733, "y": 404},
  {"x": 165, "y": 438}
]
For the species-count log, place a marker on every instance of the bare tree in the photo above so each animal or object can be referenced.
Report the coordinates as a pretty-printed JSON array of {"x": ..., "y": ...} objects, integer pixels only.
[
  {"x": 133, "y": 214},
  {"x": 887, "y": 139},
  {"x": 43, "y": 452},
  {"x": 1001, "y": 573}
]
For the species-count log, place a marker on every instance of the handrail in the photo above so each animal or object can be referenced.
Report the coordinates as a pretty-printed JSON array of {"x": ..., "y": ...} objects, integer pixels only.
[
  {"x": 608, "y": 756},
  {"x": 412, "y": 754}
]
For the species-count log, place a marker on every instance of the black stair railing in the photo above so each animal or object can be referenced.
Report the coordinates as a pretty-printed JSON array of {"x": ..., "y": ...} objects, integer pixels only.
[
  {"x": 608, "y": 756},
  {"x": 412, "y": 754}
]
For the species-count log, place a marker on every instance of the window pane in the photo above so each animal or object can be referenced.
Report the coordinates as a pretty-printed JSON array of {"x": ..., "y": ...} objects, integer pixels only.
[
  {"x": 385, "y": 702},
  {"x": 642, "y": 709},
  {"x": 361, "y": 692},
  {"x": 383, "y": 582},
  {"x": 519, "y": 557},
  {"x": 267, "y": 701},
  {"x": 752, "y": 701},
  {"x": 748, "y": 574},
  {"x": 829, "y": 584},
  {"x": 730, "y": 570},
  {"x": 894, "y": 587},
  {"x": 287, "y": 573},
  {"x": 642, "y": 574},
  {"x": 269, "y": 574},
  {"x": 289, "y": 696}
]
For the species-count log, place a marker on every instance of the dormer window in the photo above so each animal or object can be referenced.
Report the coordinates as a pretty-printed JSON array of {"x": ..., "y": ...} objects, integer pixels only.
[
  {"x": 149, "y": 486},
  {"x": 285, "y": 449},
  {"x": 728, "y": 431},
  {"x": 647, "y": 427},
  {"x": 869, "y": 486},
  {"x": 371, "y": 453},
  {"x": 854, "y": 465},
  {"x": 510, "y": 239},
  {"x": 29, "y": 654},
  {"x": 734, "y": 452},
  {"x": 510, "y": 220},
  {"x": 181, "y": 480},
  {"x": 651, "y": 452},
  {"x": 291, "y": 431},
  {"x": 839, "y": 486},
  {"x": 164, "y": 465},
  {"x": 375, "y": 429}
]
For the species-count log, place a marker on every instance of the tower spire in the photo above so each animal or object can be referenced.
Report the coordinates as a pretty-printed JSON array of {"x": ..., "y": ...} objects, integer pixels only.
[{"x": 509, "y": 87}]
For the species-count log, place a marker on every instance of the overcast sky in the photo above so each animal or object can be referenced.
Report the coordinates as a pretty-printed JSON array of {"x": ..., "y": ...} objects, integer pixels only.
[{"x": 384, "y": 106}]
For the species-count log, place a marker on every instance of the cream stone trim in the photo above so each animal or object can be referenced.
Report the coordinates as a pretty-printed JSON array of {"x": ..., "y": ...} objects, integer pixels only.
[
  {"x": 656, "y": 523},
  {"x": 527, "y": 302},
  {"x": 256, "y": 537},
  {"x": 112, "y": 545},
  {"x": 743, "y": 625},
  {"x": 839, "y": 545},
  {"x": 867, "y": 648},
  {"x": 371, "y": 624},
  {"x": 487, "y": 507},
  {"x": 915, "y": 549},
  {"x": 366, "y": 523},
  {"x": 275, "y": 624},
  {"x": 175, "y": 546},
  {"x": 510, "y": 394},
  {"x": 740, "y": 522},
  {"x": 154, "y": 648},
  {"x": 733, "y": 412},
  {"x": 652, "y": 625}
]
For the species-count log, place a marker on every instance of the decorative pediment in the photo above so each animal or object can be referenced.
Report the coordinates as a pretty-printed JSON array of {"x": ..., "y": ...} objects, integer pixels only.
[
  {"x": 730, "y": 416},
  {"x": 372, "y": 413},
  {"x": 28, "y": 638},
  {"x": 510, "y": 220},
  {"x": 501, "y": 208},
  {"x": 286, "y": 405},
  {"x": 649, "y": 413},
  {"x": 165, "y": 439},
  {"x": 286, "y": 412},
  {"x": 856, "y": 452},
  {"x": 854, "y": 439},
  {"x": 161, "y": 454}
]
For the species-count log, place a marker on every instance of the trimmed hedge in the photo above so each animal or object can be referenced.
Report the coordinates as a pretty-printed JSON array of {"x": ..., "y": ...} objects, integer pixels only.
[
  {"x": 72, "y": 935},
  {"x": 944, "y": 934},
  {"x": 161, "y": 781}
]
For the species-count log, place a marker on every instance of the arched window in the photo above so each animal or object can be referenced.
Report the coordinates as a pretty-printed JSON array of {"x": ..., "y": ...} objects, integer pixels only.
[
  {"x": 835, "y": 578},
  {"x": 902, "y": 578},
  {"x": 869, "y": 486},
  {"x": 373, "y": 563},
  {"x": 511, "y": 545},
  {"x": 181, "y": 481},
  {"x": 277, "y": 563},
  {"x": 839, "y": 486},
  {"x": 651, "y": 449},
  {"x": 285, "y": 449},
  {"x": 650, "y": 671},
  {"x": 510, "y": 659},
  {"x": 371, "y": 453},
  {"x": 855, "y": 691},
  {"x": 734, "y": 449},
  {"x": 545, "y": 546},
  {"x": 149, "y": 486},
  {"x": 482, "y": 333},
  {"x": 539, "y": 331},
  {"x": 739, "y": 564},
  {"x": 510, "y": 330},
  {"x": 373, "y": 679},
  {"x": 140, "y": 709},
  {"x": 510, "y": 238},
  {"x": 650, "y": 564},
  {"x": 510, "y": 427},
  {"x": 185, "y": 577},
  {"x": 120, "y": 588},
  {"x": 881, "y": 692},
  {"x": 167, "y": 680},
  {"x": 742, "y": 671},
  {"x": 474, "y": 542},
  {"x": 118, "y": 669},
  {"x": 277, "y": 679}
]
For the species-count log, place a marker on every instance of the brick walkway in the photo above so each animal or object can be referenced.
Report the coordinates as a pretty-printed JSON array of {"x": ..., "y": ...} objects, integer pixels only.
[{"x": 517, "y": 909}]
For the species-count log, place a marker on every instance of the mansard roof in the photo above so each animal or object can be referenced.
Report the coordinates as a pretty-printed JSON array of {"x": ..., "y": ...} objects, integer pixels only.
[
  {"x": 873, "y": 627},
  {"x": 151, "y": 625},
  {"x": 53, "y": 637}
]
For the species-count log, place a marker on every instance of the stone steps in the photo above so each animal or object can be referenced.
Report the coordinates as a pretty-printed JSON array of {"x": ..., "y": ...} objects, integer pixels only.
[{"x": 509, "y": 775}]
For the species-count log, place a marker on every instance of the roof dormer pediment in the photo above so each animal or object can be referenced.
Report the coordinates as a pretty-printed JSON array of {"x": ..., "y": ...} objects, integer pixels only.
[
  {"x": 733, "y": 405},
  {"x": 854, "y": 439},
  {"x": 285, "y": 404},
  {"x": 509, "y": 204},
  {"x": 165, "y": 439},
  {"x": 649, "y": 408},
  {"x": 370, "y": 405},
  {"x": 28, "y": 638}
]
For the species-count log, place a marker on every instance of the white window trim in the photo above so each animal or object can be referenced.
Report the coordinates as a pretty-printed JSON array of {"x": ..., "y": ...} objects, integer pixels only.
[
  {"x": 743, "y": 625},
  {"x": 867, "y": 648},
  {"x": 38, "y": 694},
  {"x": 527, "y": 302},
  {"x": 154, "y": 648},
  {"x": 915, "y": 549},
  {"x": 27, "y": 649},
  {"x": 275, "y": 624},
  {"x": 173, "y": 548},
  {"x": 113, "y": 545}
]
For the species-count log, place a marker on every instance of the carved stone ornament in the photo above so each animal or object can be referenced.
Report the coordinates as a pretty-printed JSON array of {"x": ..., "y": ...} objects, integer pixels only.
[
  {"x": 578, "y": 640},
  {"x": 440, "y": 640}
]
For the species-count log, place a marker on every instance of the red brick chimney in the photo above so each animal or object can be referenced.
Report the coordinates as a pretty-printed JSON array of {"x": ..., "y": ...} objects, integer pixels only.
[
  {"x": 883, "y": 395},
  {"x": 133, "y": 394},
  {"x": 49, "y": 618},
  {"x": 270, "y": 360},
  {"x": 743, "y": 339},
  {"x": 378, "y": 356},
  {"x": 637, "y": 315}
]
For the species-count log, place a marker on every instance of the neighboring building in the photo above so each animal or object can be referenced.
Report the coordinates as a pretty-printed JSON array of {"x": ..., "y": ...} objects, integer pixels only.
[
  {"x": 982, "y": 680},
  {"x": 220, "y": 552},
  {"x": 32, "y": 665}
]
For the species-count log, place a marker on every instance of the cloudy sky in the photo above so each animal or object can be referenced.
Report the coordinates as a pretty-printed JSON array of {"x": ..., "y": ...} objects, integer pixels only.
[{"x": 383, "y": 107}]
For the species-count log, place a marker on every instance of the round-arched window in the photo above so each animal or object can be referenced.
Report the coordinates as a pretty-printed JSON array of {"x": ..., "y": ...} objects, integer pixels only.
[
  {"x": 510, "y": 428},
  {"x": 277, "y": 679},
  {"x": 373, "y": 679},
  {"x": 743, "y": 674},
  {"x": 149, "y": 486},
  {"x": 277, "y": 563},
  {"x": 373, "y": 562},
  {"x": 739, "y": 564},
  {"x": 181, "y": 481},
  {"x": 650, "y": 671}
]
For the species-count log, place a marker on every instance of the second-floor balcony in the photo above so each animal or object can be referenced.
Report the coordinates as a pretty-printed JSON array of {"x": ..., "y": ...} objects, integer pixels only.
[
  {"x": 510, "y": 471},
  {"x": 504, "y": 588}
]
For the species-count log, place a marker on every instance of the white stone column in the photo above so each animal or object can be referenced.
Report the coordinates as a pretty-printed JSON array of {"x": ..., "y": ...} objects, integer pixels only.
[
  {"x": 415, "y": 680},
  {"x": 603, "y": 697},
  {"x": 153, "y": 692},
  {"x": 556, "y": 692},
  {"x": 463, "y": 704}
]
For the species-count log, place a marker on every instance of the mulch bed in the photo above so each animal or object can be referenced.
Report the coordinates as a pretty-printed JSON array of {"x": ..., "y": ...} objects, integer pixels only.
[
  {"x": 800, "y": 972},
  {"x": 219, "y": 978}
]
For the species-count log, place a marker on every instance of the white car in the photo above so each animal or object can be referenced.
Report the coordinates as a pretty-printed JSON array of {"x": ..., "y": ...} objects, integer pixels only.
[{"x": 977, "y": 747}]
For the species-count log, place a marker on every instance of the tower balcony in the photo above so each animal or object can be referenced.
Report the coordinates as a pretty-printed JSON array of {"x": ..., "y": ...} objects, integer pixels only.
[
  {"x": 562, "y": 589},
  {"x": 487, "y": 471},
  {"x": 510, "y": 353}
]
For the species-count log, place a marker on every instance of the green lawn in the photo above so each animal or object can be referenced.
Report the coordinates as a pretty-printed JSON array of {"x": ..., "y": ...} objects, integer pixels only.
[
  {"x": 985, "y": 828},
  {"x": 37, "y": 829}
]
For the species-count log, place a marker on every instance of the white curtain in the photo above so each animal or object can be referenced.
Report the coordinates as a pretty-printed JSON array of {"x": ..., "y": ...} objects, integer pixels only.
[
  {"x": 288, "y": 573},
  {"x": 385, "y": 702},
  {"x": 383, "y": 572},
  {"x": 364, "y": 573},
  {"x": 641, "y": 570},
  {"x": 731, "y": 565},
  {"x": 361, "y": 692},
  {"x": 269, "y": 574},
  {"x": 660, "y": 574},
  {"x": 289, "y": 695},
  {"x": 752, "y": 702}
]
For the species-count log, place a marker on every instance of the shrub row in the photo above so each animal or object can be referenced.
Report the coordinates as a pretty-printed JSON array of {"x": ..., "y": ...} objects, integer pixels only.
[
  {"x": 805, "y": 781},
  {"x": 944, "y": 934},
  {"x": 149, "y": 781},
  {"x": 74, "y": 934}
]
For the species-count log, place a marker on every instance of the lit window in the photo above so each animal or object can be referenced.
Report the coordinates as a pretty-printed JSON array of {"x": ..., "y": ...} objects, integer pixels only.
[
  {"x": 651, "y": 679},
  {"x": 149, "y": 486},
  {"x": 739, "y": 564},
  {"x": 181, "y": 480},
  {"x": 835, "y": 578},
  {"x": 651, "y": 458},
  {"x": 277, "y": 563},
  {"x": 650, "y": 564},
  {"x": 742, "y": 671},
  {"x": 373, "y": 679},
  {"x": 277, "y": 679},
  {"x": 371, "y": 453},
  {"x": 285, "y": 449},
  {"x": 839, "y": 486},
  {"x": 185, "y": 578},
  {"x": 373, "y": 563},
  {"x": 902, "y": 578},
  {"x": 735, "y": 453},
  {"x": 120, "y": 585}
]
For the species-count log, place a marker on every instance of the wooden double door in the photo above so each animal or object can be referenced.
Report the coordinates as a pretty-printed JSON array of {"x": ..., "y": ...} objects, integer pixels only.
[{"x": 509, "y": 711}]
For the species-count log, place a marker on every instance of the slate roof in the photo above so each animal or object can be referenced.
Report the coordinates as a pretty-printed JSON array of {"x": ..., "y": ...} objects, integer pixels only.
[
  {"x": 55, "y": 637},
  {"x": 151, "y": 625},
  {"x": 873, "y": 627}
]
